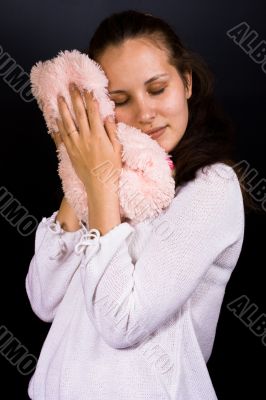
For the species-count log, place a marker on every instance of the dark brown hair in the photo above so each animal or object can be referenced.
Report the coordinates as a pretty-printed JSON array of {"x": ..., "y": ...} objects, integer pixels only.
[{"x": 210, "y": 135}]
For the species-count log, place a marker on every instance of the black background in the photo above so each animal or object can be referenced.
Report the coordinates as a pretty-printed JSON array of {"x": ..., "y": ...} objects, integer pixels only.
[{"x": 33, "y": 30}]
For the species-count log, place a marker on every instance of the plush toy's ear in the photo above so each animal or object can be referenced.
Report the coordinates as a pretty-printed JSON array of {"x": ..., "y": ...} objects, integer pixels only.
[
  {"x": 35, "y": 79},
  {"x": 52, "y": 77}
]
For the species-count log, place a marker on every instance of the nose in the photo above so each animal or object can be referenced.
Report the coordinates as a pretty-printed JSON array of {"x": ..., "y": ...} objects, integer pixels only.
[{"x": 145, "y": 112}]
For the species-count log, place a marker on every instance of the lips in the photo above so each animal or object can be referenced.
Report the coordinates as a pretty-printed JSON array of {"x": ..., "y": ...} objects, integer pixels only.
[
  {"x": 154, "y": 130},
  {"x": 157, "y": 133}
]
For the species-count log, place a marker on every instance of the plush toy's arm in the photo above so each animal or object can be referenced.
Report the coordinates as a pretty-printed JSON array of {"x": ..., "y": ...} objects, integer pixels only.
[{"x": 52, "y": 267}]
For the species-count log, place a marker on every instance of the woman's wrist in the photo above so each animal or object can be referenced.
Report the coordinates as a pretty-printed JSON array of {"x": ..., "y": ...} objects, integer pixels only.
[
  {"x": 67, "y": 218},
  {"x": 104, "y": 209}
]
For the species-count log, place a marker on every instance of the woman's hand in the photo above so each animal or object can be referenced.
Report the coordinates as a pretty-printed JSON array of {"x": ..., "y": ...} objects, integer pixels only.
[{"x": 92, "y": 143}]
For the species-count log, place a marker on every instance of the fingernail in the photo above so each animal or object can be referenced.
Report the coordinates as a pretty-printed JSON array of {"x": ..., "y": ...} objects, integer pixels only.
[{"x": 72, "y": 87}]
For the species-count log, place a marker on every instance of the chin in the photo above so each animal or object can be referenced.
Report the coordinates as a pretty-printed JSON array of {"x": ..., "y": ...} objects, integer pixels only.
[{"x": 164, "y": 144}]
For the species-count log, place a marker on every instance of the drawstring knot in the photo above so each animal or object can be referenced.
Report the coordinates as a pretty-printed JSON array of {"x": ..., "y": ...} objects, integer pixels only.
[
  {"x": 55, "y": 228},
  {"x": 89, "y": 238}
]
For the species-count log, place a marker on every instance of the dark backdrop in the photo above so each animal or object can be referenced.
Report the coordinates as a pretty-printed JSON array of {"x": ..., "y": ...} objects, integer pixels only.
[{"x": 33, "y": 30}]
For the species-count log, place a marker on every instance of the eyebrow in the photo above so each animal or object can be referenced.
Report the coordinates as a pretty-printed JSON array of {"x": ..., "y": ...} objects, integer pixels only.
[{"x": 145, "y": 83}]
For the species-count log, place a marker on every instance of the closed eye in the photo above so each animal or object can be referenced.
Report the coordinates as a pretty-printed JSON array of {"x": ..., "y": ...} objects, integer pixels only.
[{"x": 155, "y": 93}]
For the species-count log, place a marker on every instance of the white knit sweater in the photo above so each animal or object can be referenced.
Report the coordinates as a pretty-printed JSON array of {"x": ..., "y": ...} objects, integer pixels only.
[{"x": 134, "y": 312}]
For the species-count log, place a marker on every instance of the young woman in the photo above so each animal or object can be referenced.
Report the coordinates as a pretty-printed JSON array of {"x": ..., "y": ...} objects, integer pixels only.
[{"x": 134, "y": 310}]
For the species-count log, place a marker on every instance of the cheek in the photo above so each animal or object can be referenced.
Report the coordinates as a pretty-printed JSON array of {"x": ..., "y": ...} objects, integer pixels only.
[
  {"x": 175, "y": 105},
  {"x": 176, "y": 111}
]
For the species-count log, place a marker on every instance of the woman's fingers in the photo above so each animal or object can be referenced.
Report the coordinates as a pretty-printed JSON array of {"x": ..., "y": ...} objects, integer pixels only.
[
  {"x": 88, "y": 119},
  {"x": 79, "y": 109},
  {"x": 111, "y": 130},
  {"x": 67, "y": 127},
  {"x": 94, "y": 118}
]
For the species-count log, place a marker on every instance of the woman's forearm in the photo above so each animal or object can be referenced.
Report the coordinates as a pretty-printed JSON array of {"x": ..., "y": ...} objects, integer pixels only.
[
  {"x": 104, "y": 212},
  {"x": 67, "y": 217}
]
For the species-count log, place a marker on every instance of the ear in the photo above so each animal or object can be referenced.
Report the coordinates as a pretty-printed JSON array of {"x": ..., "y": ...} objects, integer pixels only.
[{"x": 188, "y": 76}]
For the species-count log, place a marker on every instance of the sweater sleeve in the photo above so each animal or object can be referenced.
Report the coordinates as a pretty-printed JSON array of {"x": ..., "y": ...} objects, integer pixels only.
[
  {"x": 52, "y": 266},
  {"x": 128, "y": 301}
]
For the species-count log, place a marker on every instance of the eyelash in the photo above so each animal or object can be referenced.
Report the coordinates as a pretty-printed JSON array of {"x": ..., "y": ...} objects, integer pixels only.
[{"x": 154, "y": 93}]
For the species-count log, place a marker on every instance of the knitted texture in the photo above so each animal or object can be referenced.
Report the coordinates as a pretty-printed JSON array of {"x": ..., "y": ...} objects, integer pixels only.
[
  {"x": 145, "y": 184},
  {"x": 134, "y": 312}
]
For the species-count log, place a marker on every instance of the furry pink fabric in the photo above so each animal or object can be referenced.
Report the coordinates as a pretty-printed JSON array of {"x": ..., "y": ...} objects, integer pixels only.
[{"x": 146, "y": 186}]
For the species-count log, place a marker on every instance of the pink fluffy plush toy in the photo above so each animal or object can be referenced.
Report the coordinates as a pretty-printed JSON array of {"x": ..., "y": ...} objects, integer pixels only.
[{"x": 146, "y": 185}]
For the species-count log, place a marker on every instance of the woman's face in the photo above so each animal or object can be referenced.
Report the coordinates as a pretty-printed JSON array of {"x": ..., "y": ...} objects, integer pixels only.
[{"x": 148, "y": 92}]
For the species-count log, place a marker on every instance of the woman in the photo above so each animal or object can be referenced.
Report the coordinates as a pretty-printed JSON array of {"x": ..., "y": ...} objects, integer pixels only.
[{"x": 134, "y": 311}]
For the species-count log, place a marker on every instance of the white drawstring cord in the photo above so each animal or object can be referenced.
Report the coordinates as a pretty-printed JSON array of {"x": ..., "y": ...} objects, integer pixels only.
[
  {"x": 55, "y": 228},
  {"x": 89, "y": 238}
]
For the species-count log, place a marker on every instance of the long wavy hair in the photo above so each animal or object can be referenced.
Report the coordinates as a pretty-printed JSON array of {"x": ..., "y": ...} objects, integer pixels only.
[{"x": 210, "y": 135}]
